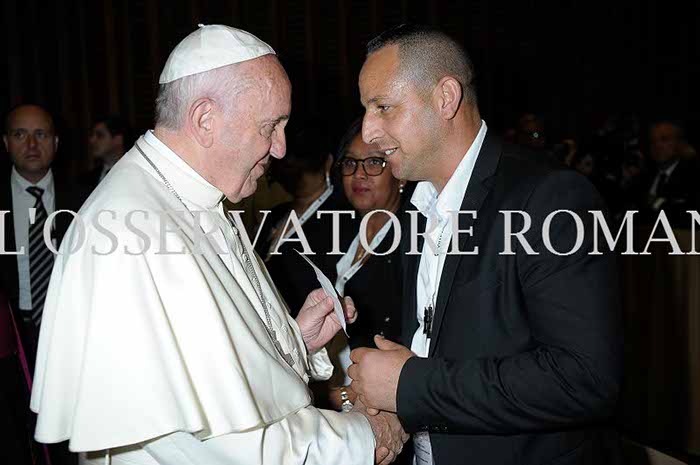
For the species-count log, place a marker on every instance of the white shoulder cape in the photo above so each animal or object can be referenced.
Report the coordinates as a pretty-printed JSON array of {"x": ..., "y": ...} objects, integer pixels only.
[{"x": 134, "y": 347}]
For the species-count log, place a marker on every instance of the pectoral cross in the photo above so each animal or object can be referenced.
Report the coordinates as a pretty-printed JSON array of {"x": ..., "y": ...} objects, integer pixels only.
[{"x": 428, "y": 320}]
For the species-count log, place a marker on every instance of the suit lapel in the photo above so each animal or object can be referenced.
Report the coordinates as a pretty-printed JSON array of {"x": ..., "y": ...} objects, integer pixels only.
[{"x": 477, "y": 190}]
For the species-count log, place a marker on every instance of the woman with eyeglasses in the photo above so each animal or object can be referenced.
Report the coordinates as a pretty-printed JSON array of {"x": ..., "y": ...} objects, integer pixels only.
[{"x": 371, "y": 277}]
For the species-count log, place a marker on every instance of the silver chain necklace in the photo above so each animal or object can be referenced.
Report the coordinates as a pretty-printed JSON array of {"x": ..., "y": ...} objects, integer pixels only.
[{"x": 249, "y": 268}]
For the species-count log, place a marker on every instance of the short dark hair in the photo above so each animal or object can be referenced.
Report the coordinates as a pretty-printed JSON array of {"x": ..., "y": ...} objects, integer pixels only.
[{"x": 427, "y": 54}]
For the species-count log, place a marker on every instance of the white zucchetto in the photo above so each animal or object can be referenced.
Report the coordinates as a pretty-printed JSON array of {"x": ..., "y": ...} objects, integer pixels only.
[{"x": 211, "y": 47}]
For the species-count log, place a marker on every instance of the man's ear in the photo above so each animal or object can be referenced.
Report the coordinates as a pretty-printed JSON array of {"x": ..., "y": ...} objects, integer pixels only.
[
  {"x": 4, "y": 139},
  {"x": 55, "y": 143},
  {"x": 449, "y": 97},
  {"x": 201, "y": 122}
]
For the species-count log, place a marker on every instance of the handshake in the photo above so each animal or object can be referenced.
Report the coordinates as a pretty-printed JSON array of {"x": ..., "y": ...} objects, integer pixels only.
[
  {"x": 389, "y": 435},
  {"x": 375, "y": 372}
]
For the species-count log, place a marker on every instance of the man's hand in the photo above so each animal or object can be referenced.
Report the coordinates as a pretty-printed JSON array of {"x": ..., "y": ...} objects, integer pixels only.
[
  {"x": 388, "y": 434},
  {"x": 317, "y": 320},
  {"x": 375, "y": 373}
]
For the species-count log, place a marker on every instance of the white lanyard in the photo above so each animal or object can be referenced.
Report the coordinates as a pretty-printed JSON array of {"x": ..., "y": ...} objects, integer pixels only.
[
  {"x": 345, "y": 271},
  {"x": 304, "y": 217}
]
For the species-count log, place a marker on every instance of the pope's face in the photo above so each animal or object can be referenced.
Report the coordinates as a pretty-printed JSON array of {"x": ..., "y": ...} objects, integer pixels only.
[
  {"x": 30, "y": 141},
  {"x": 399, "y": 118},
  {"x": 253, "y": 132}
]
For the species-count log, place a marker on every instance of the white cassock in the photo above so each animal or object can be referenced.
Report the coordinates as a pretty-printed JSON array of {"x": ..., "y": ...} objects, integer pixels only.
[{"x": 164, "y": 357}]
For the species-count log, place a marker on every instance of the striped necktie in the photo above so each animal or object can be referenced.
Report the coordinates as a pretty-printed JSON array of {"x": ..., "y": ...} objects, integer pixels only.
[{"x": 40, "y": 257}]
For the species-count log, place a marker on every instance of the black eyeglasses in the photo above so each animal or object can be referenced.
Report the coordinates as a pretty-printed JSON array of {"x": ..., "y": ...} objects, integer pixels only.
[{"x": 373, "y": 166}]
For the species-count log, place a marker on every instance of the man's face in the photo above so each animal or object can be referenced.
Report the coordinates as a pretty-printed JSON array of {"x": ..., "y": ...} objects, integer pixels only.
[
  {"x": 253, "y": 132},
  {"x": 100, "y": 142},
  {"x": 399, "y": 118},
  {"x": 664, "y": 142},
  {"x": 31, "y": 141}
]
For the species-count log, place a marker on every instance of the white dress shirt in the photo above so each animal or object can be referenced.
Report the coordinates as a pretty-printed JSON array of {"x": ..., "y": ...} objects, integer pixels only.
[
  {"x": 437, "y": 207},
  {"x": 22, "y": 201}
]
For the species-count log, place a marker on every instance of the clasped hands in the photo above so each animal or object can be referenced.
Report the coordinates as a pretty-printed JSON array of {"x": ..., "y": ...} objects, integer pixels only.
[
  {"x": 375, "y": 372},
  {"x": 375, "y": 378}
]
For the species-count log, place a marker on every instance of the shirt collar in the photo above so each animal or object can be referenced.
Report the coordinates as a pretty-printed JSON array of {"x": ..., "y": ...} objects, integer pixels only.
[
  {"x": 184, "y": 179},
  {"x": 45, "y": 183},
  {"x": 426, "y": 198}
]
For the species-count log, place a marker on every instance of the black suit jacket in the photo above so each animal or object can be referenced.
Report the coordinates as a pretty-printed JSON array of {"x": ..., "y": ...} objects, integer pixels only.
[
  {"x": 680, "y": 191},
  {"x": 66, "y": 198},
  {"x": 525, "y": 356}
]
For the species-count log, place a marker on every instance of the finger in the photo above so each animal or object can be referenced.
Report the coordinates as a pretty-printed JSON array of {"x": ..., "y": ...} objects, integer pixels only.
[
  {"x": 391, "y": 456},
  {"x": 355, "y": 386},
  {"x": 350, "y": 310},
  {"x": 357, "y": 354},
  {"x": 380, "y": 454},
  {"x": 385, "y": 344},
  {"x": 353, "y": 372}
]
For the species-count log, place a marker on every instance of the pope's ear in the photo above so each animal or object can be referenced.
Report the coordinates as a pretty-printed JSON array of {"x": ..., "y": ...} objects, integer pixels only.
[{"x": 201, "y": 122}]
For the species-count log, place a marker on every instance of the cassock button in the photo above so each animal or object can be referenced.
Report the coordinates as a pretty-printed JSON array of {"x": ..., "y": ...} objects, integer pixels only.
[{"x": 387, "y": 319}]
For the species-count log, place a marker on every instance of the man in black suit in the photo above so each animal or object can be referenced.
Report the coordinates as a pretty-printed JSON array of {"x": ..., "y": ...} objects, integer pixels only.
[
  {"x": 31, "y": 141},
  {"x": 514, "y": 357},
  {"x": 672, "y": 183},
  {"x": 108, "y": 138}
]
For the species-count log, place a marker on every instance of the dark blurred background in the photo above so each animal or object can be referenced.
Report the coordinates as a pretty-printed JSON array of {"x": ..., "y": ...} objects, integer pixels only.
[
  {"x": 573, "y": 63},
  {"x": 595, "y": 74}
]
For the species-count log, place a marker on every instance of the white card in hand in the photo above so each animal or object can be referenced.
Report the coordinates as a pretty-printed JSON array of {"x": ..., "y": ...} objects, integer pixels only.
[{"x": 330, "y": 291}]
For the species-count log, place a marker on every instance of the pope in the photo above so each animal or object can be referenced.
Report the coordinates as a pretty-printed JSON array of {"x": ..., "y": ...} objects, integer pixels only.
[{"x": 164, "y": 340}]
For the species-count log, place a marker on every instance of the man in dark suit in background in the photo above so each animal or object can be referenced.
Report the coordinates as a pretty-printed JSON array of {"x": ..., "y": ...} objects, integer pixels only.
[
  {"x": 31, "y": 142},
  {"x": 30, "y": 193},
  {"x": 514, "y": 357},
  {"x": 672, "y": 184},
  {"x": 106, "y": 144}
]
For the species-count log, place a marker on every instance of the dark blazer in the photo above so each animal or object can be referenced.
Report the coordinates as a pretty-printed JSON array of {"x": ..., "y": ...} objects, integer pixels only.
[
  {"x": 66, "y": 198},
  {"x": 681, "y": 192},
  {"x": 525, "y": 356}
]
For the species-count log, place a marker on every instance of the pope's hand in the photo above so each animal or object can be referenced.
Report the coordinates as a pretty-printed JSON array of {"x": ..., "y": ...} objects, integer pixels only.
[
  {"x": 375, "y": 373},
  {"x": 389, "y": 436},
  {"x": 317, "y": 320}
]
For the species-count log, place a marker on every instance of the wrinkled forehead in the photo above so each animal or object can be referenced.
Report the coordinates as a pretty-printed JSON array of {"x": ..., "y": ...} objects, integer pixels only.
[{"x": 271, "y": 90}]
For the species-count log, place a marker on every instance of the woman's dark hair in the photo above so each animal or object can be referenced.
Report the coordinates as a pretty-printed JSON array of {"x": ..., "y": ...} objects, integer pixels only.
[{"x": 350, "y": 134}]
